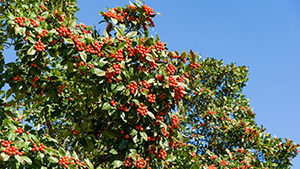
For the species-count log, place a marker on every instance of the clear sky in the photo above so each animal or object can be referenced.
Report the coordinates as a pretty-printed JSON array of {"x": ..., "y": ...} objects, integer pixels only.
[{"x": 263, "y": 35}]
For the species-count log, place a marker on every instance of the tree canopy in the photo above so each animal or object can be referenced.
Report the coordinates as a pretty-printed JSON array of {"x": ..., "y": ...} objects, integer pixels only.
[{"x": 80, "y": 98}]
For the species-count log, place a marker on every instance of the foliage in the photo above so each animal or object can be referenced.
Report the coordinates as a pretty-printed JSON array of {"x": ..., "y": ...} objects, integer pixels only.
[{"x": 79, "y": 99}]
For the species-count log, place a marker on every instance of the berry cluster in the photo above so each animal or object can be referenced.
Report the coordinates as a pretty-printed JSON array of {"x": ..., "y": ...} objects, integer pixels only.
[
  {"x": 162, "y": 154},
  {"x": 44, "y": 8},
  {"x": 65, "y": 161},
  {"x": 150, "y": 20},
  {"x": 98, "y": 48},
  {"x": 118, "y": 55},
  {"x": 171, "y": 69},
  {"x": 128, "y": 163},
  {"x": 10, "y": 150},
  {"x": 159, "y": 46},
  {"x": 174, "y": 144},
  {"x": 142, "y": 110},
  {"x": 64, "y": 31},
  {"x": 62, "y": 88},
  {"x": 111, "y": 73},
  {"x": 173, "y": 82},
  {"x": 75, "y": 132},
  {"x": 143, "y": 51},
  {"x": 195, "y": 65},
  {"x": 33, "y": 22},
  {"x": 179, "y": 93},
  {"x": 19, "y": 130},
  {"x": 165, "y": 132},
  {"x": 151, "y": 98},
  {"x": 60, "y": 16},
  {"x": 146, "y": 84},
  {"x": 175, "y": 121},
  {"x": 160, "y": 77},
  {"x": 39, "y": 46},
  {"x": 113, "y": 103},
  {"x": 40, "y": 18},
  {"x": 133, "y": 86},
  {"x": 17, "y": 78},
  {"x": 20, "y": 21},
  {"x": 141, "y": 163},
  {"x": 78, "y": 44},
  {"x": 123, "y": 107},
  {"x": 45, "y": 32},
  {"x": 41, "y": 148},
  {"x": 148, "y": 10},
  {"x": 118, "y": 16}
]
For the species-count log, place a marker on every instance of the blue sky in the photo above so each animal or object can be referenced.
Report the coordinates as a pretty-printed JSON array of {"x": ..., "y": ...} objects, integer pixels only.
[{"x": 263, "y": 35}]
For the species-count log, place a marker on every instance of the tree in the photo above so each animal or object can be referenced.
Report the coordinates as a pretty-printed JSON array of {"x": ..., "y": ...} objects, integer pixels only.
[{"x": 80, "y": 99}]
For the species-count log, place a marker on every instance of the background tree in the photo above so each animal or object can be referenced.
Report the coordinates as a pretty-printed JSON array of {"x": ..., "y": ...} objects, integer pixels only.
[{"x": 80, "y": 99}]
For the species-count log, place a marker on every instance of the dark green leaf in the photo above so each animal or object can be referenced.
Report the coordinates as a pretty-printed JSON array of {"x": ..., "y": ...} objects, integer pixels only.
[
  {"x": 31, "y": 51},
  {"x": 83, "y": 56},
  {"x": 106, "y": 106},
  {"x": 144, "y": 135},
  {"x": 4, "y": 157},
  {"x": 53, "y": 159},
  {"x": 117, "y": 163}
]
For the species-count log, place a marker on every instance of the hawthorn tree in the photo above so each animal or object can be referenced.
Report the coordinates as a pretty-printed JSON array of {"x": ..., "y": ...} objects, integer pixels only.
[{"x": 78, "y": 98}]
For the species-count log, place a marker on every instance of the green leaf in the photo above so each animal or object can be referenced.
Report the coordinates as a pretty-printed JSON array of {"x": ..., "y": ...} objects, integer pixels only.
[
  {"x": 131, "y": 34},
  {"x": 50, "y": 150},
  {"x": 31, "y": 51},
  {"x": 117, "y": 163},
  {"x": 17, "y": 29},
  {"x": 158, "y": 13},
  {"x": 136, "y": 102},
  {"x": 53, "y": 159},
  {"x": 115, "y": 21},
  {"x": 61, "y": 152},
  {"x": 90, "y": 165},
  {"x": 8, "y": 93},
  {"x": 123, "y": 117},
  {"x": 17, "y": 157},
  {"x": 183, "y": 55},
  {"x": 123, "y": 144},
  {"x": 30, "y": 39},
  {"x": 69, "y": 41},
  {"x": 133, "y": 132},
  {"x": 133, "y": 154},
  {"x": 113, "y": 151},
  {"x": 26, "y": 159},
  {"x": 34, "y": 138},
  {"x": 45, "y": 14},
  {"x": 11, "y": 135},
  {"x": 83, "y": 56},
  {"x": 121, "y": 45},
  {"x": 135, "y": 139},
  {"x": 102, "y": 62},
  {"x": 99, "y": 72},
  {"x": 10, "y": 16},
  {"x": 111, "y": 112},
  {"x": 151, "y": 115},
  {"x": 192, "y": 56},
  {"x": 4, "y": 157},
  {"x": 151, "y": 80},
  {"x": 24, "y": 144},
  {"x": 106, "y": 106},
  {"x": 144, "y": 135},
  {"x": 121, "y": 87}
]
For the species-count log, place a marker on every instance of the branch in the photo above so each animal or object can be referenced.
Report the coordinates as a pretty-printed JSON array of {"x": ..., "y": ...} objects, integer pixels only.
[
  {"x": 48, "y": 123},
  {"x": 96, "y": 161}
]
